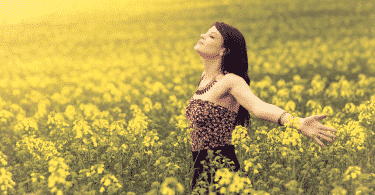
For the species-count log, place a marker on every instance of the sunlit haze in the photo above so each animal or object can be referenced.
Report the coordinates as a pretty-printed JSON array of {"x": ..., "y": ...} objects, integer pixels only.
[{"x": 14, "y": 12}]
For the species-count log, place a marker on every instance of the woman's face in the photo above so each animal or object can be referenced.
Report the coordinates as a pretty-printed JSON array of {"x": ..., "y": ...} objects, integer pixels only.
[{"x": 210, "y": 43}]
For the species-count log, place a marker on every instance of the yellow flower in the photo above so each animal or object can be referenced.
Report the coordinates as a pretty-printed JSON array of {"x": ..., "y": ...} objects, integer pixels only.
[
  {"x": 107, "y": 182},
  {"x": 225, "y": 176},
  {"x": 222, "y": 190},
  {"x": 290, "y": 106},
  {"x": 171, "y": 181},
  {"x": 70, "y": 112}
]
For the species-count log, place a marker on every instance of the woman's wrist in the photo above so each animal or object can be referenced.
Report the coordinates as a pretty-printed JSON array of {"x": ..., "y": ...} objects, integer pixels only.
[{"x": 284, "y": 119}]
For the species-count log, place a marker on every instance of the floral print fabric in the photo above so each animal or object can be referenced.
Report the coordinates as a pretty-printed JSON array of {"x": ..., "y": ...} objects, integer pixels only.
[{"x": 212, "y": 124}]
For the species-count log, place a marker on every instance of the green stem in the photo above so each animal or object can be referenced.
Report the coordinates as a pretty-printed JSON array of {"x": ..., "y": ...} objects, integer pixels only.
[
  {"x": 80, "y": 158},
  {"x": 107, "y": 144},
  {"x": 122, "y": 164},
  {"x": 294, "y": 170},
  {"x": 369, "y": 146},
  {"x": 89, "y": 155},
  {"x": 303, "y": 178},
  {"x": 148, "y": 166},
  {"x": 209, "y": 167},
  {"x": 239, "y": 148},
  {"x": 108, "y": 137},
  {"x": 311, "y": 190}
]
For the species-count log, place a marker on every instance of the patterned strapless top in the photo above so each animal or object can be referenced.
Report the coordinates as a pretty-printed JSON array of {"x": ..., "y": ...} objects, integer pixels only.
[{"x": 213, "y": 124}]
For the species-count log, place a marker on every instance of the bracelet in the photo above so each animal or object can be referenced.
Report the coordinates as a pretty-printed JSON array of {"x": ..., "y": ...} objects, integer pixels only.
[{"x": 280, "y": 119}]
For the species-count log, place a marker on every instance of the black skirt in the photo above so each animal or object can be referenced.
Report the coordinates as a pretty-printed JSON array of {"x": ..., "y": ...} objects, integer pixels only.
[{"x": 227, "y": 151}]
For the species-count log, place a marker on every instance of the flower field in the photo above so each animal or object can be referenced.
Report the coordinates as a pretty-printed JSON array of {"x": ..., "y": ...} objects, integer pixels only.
[{"x": 97, "y": 106}]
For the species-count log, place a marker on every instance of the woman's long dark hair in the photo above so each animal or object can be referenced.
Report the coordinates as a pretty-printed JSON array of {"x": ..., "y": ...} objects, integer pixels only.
[{"x": 235, "y": 61}]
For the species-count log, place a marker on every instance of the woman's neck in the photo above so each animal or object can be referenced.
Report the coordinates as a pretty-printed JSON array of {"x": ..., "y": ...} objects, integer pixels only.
[{"x": 211, "y": 65}]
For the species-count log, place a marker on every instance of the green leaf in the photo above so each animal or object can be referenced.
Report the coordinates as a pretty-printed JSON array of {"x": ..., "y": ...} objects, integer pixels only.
[
  {"x": 321, "y": 164},
  {"x": 276, "y": 180},
  {"x": 118, "y": 167}
]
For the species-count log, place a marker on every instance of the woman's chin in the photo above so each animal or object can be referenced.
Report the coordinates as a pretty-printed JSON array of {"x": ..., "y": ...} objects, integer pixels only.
[
  {"x": 198, "y": 51},
  {"x": 198, "y": 48}
]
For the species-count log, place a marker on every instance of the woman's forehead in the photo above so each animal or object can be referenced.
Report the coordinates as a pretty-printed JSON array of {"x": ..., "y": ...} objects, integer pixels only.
[
  {"x": 214, "y": 29},
  {"x": 215, "y": 32}
]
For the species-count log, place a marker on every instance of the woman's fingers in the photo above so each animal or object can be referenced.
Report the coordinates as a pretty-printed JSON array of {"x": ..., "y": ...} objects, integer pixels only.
[
  {"x": 328, "y": 134},
  {"x": 326, "y": 138},
  {"x": 318, "y": 141},
  {"x": 329, "y": 129}
]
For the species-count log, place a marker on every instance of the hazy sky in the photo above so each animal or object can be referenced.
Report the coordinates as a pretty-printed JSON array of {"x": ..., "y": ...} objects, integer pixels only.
[{"x": 15, "y": 11}]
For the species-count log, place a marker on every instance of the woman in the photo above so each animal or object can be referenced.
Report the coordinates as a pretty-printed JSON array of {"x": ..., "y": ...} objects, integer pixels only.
[{"x": 224, "y": 99}]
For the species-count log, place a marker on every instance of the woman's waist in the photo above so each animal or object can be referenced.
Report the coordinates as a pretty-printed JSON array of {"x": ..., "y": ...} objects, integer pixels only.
[{"x": 225, "y": 147}]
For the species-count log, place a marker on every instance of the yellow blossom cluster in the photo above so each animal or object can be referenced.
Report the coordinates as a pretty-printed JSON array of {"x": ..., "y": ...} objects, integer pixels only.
[
  {"x": 90, "y": 111},
  {"x": 353, "y": 134},
  {"x": 88, "y": 89},
  {"x": 26, "y": 126},
  {"x": 138, "y": 125},
  {"x": 147, "y": 104},
  {"x": 70, "y": 112},
  {"x": 151, "y": 139},
  {"x": 238, "y": 137},
  {"x": 292, "y": 135},
  {"x": 42, "y": 109},
  {"x": 6, "y": 117},
  {"x": 36, "y": 148},
  {"x": 110, "y": 183},
  {"x": 230, "y": 182},
  {"x": 57, "y": 122},
  {"x": 6, "y": 182},
  {"x": 367, "y": 111},
  {"x": 59, "y": 171}
]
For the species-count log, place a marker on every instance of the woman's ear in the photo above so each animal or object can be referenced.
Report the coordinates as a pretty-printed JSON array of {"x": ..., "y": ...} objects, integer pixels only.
[{"x": 225, "y": 51}]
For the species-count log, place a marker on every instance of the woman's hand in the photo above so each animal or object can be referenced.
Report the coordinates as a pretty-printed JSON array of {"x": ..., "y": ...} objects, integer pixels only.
[{"x": 312, "y": 128}]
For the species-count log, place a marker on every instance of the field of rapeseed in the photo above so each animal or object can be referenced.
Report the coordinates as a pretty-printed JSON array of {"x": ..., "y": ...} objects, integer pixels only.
[{"x": 97, "y": 106}]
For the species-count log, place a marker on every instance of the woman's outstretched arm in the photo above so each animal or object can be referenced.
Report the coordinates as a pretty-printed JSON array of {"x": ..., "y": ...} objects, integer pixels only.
[{"x": 309, "y": 126}]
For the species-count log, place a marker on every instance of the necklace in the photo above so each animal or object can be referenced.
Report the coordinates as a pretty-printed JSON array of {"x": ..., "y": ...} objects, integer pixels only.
[{"x": 207, "y": 87}]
